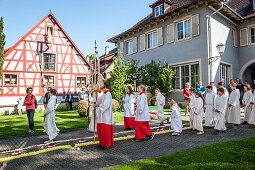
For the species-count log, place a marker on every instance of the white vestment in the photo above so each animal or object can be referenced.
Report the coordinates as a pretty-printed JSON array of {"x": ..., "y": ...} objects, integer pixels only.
[
  {"x": 252, "y": 116},
  {"x": 214, "y": 89},
  {"x": 220, "y": 105},
  {"x": 176, "y": 119},
  {"x": 226, "y": 94},
  {"x": 91, "y": 124},
  {"x": 192, "y": 106},
  {"x": 198, "y": 114},
  {"x": 160, "y": 102},
  {"x": 105, "y": 113},
  {"x": 247, "y": 99},
  {"x": 234, "y": 110},
  {"x": 129, "y": 105},
  {"x": 142, "y": 109},
  {"x": 209, "y": 112},
  {"x": 49, "y": 116}
]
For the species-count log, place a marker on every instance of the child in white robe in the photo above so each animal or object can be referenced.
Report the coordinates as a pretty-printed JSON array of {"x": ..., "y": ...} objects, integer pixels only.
[
  {"x": 191, "y": 107},
  {"x": 92, "y": 121},
  {"x": 198, "y": 113},
  {"x": 247, "y": 100},
  {"x": 176, "y": 118},
  {"x": 209, "y": 111},
  {"x": 128, "y": 103},
  {"x": 252, "y": 116},
  {"x": 234, "y": 107},
  {"x": 160, "y": 102},
  {"x": 226, "y": 94},
  {"x": 220, "y": 107}
]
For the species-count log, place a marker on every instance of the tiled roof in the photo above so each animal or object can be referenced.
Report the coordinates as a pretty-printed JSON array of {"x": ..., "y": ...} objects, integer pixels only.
[{"x": 242, "y": 7}]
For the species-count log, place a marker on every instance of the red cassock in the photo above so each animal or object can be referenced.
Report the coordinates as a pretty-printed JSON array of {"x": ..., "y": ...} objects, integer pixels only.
[
  {"x": 105, "y": 134},
  {"x": 129, "y": 122},
  {"x": 142, "y": 130}
]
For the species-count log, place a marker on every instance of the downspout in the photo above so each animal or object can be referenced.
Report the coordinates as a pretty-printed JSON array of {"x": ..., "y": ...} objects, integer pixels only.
[{"x": 209, "y": 39}]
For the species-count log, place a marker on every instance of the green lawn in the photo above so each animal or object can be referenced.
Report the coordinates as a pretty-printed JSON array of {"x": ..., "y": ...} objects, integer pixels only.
[{"x": 237, "y": 154}]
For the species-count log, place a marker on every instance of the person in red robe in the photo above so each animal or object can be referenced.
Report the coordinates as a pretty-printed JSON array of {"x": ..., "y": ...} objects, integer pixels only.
[{"x": 128, "y": 103}]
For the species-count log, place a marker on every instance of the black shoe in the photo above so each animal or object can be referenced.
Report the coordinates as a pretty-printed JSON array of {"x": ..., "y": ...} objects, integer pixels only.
[
  {"x": 99, "y": 146},
  {"x": 151, "y": 137},
  {"x": 244, "y": 123},
  {"x": 216, "y": 132},
  {"x": 127, "y": 129},
  {"x": 134, "y": 139},
  {"x": 167, "y": 119}
]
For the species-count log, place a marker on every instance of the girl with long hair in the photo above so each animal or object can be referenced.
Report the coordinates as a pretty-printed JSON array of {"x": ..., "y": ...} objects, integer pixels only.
[
  {"x": 198, "y": 113},
  {"x": 176, "y": 118},
  {"x": 128, "y": 103}
]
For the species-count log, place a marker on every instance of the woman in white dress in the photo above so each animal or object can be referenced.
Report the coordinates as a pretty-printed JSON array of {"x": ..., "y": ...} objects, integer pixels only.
[
  {"x": 191, "y": 107},
  {"x": 128, "y": 103},
  {"x": 49, "y": 123},
  {"x": 198, "y": 113},
  {"x": 247, "y": 100},
  {"x": 176, "y": 118},
  {"x": 160, "y": 102}
]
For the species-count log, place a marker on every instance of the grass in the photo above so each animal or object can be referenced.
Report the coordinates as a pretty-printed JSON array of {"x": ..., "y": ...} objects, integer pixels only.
[{"x": 237, "y": 154}]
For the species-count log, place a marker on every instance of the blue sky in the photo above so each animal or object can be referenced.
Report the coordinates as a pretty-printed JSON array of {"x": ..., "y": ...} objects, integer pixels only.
[{"x": 84, "y": 20}]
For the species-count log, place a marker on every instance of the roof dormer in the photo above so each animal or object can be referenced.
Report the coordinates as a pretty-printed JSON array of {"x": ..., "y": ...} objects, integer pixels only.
[{"x": 159, "y": 7}]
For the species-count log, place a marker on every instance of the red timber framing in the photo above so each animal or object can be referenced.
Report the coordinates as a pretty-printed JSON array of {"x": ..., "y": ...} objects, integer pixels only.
[{"x": 27, "y": 59}]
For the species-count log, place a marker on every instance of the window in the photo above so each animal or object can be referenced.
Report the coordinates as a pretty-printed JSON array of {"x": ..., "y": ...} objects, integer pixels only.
[
  {"x": 129, "y": 47},
  {"x": 186, "y": 73},
  {"x": 152, "y": 40},
  {"x": 159, "y": 10},
  {"x": 81, "y": 81},
  {"x": 48, "y": 80},
  {"x": 252, "y": 35},
  {"x": 49, "y": 31},
  {"x": 10, "y": 80},
  {"x": 225, "y": 73},
  {"x": 49, "y": 62},
  {"x": 183, "y": 30},
  {"x": 234, "y": 35}
]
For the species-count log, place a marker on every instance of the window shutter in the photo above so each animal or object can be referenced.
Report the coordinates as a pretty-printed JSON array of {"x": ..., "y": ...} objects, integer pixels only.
[
  {"x": 142, "y": 42},
  {"x": 170, "y": 33},
  {"x": 244, "y": 37},
  {"x": 160, "y": 36},
  {"x": 135, "y": 45},
  {"x": 195, "y": 25},
  {"x": 122, "y": 48}
]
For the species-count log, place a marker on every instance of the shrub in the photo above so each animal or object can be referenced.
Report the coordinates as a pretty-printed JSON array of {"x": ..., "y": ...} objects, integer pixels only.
[
  {"x": 115, "y": 105},
  {"x": 83, "y": 107}
]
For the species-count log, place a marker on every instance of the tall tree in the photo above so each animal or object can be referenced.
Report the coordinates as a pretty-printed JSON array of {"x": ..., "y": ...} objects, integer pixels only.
[{"x": 2, "y": 43}]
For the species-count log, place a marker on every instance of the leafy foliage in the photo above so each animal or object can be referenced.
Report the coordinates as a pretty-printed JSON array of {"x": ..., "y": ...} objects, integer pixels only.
[
  {"x": 132, "y": 71},
  {"x": 2, "y": 43}
]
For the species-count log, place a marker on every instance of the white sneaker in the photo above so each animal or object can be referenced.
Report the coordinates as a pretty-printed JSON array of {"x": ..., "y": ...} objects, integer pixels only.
[
  {"x": 175, "y": 134},
  {"x": 200, "y": 133}
]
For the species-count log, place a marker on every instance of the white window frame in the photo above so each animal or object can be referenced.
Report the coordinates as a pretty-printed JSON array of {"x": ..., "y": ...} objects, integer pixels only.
[
  {"x": 10, "y": 84},
  {"x": 77, "y": 81},
  {"x": 251, "y": 27},
  {"x": 159, "y": 12},
  {"x": 228, "y": 73},
  {"x": 234, "y": 37},
  {"x": 184, "y": 30},
  {"x": 147, "y": 39},
  {"x": 48, "y": 26},
  {"x": 47, "y": 82},
  {"x": 54, "y": 62},
  {"x": 129, "y": 50}
]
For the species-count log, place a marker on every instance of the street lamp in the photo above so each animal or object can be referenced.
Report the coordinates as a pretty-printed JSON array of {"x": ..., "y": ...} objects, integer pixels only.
[{"x": 220, "y": 48}]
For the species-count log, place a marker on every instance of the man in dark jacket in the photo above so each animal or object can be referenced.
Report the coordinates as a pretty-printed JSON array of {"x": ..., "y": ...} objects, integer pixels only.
[{"x": 69, "y": 99}]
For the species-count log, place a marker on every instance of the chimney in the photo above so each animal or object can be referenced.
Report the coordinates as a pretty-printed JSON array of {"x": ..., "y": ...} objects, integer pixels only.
[{"x": 106, "y": 50}]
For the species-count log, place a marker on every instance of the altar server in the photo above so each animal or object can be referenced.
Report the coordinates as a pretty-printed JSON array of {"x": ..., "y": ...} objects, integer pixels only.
[
  {"x": 252, "y": 116},
  {"x": 176, "y": 118},
  {"x": 247, "y": 100},
  {"x": 221, "y": 85},
  {"x": 128, "y": 103},
  {"x": 105, "y": 119},
  {"x": 220, "y": 107},
  {"x": 209, "y": 111},
  {"x": 234, "y": 106},
  {"x": 92, "y": 121},
  {"x": 160, "y": 102},
  {"x": 142, "y": 117},
  {"x": 198, "y": 113},
  {"x": 191, "y": 107}
]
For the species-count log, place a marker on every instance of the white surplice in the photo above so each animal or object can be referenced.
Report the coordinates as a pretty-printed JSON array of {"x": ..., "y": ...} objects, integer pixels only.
[
  {"x": 129, "y": 105},
  {"x": 220, "y": 105},
  {"x": 247, "y": 99},
  {"x": 105, "y": 113},
  {"x": 214, "y": 89},
  {"x": 91, "y": 124},
  {"x": 226, "y": 94},
  {"x": 160, "y": 102},
  {"x": 209, "y": 112},
  {"x": 176, "y": 119},
  {"x": 198, "y": 114},
  {"x": 192, "y": 110},
  {"x": 142, "y": 109},
  {"x": 49, "y": 116},
  {"x": 234, "y": 110},
  {"x": 252, "y": 116}
]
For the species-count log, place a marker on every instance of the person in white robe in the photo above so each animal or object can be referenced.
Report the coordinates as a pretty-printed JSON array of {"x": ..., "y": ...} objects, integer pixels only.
[
  {"x": 91, "y": 124},
  {"x": 209, "y": 111},
  {"x": 226, "y": 94},
  {"x": 247, "y": 100},
  {"x": 198, "y": 113},
  {"x": 220, "y": 107},
  {"x": 191, "y": 107},
  {"x": 176, "y": 118},
  {"x": 234, "y": 107},
  {"x": 160, "y": 102},
  {"x": 128, "y": 103},
  {"x": 214, "y": 89},
  {"x": 252, "y": 115},
  {"x": 49, "y": 113}
]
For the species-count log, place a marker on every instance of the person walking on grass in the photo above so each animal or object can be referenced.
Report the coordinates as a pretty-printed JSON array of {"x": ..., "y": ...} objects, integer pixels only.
[
  {"x": 29, "y": 102},
  {"x": 49, "y": 115},
  {"x": 176, "y": 118},
  {"x": 209, "y": 111},
  {"x": 191, "y": 107},
  {"x": 198, "y": 113},
  {"x": 69, "y": 99},
  {"x": 247, "y": 100},
  {"x": 160, "y": 102},
  {"x": 220, "y": 107},
  {"x": 186, "y": 95},
  {"x": 128, "y": 103},
  {"x": 142, "y": 117},
  {"x": 234, "y": 107}
]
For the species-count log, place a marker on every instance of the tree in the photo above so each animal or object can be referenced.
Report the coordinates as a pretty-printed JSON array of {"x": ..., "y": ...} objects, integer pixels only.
[
  {"x": 2, "y": 43},
  {"x": 118, "y": 79},
  {"x": 132, "y": 71}
]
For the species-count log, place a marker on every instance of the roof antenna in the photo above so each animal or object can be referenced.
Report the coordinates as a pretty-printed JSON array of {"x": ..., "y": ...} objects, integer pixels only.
[{"x": 50, "y": 10}]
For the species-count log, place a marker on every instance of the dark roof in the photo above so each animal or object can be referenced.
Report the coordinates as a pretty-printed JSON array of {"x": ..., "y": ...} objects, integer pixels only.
[
  {"x": 240, "y": 8},
  {"x": 158, "y": 2},
  {"x": 115, "y": 50}
]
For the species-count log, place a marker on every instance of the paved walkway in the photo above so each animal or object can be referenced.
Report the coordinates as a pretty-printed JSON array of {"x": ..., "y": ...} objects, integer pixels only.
[{"x": 126, "y": 151}]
